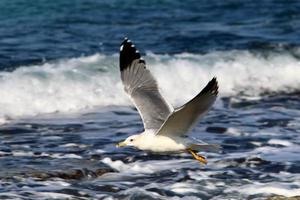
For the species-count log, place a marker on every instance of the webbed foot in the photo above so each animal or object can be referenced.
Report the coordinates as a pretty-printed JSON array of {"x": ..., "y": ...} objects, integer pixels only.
[{"x": 200, "y": 158}]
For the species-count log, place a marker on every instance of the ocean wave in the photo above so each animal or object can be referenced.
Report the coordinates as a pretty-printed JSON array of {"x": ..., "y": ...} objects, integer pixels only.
[{"x": 73, "y": 85}]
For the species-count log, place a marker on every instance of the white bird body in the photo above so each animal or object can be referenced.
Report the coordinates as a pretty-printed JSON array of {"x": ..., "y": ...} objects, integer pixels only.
[
  {"x": 166, "y": 128},
  {"x": 159, "y": 143},
  {"x": 149, "y": 141}
]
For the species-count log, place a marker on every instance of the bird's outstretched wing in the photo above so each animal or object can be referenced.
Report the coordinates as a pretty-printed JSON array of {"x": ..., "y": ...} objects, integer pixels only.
[
  {"x": 141, "y": 86},
  {"x": 184, "y": 118}
]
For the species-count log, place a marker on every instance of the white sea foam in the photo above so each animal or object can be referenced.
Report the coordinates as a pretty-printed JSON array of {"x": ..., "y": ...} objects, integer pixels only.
[
  {"x": 23, "y": 153},
  {"x": 72, "y": 145},
  {"x": 280, "y": 142},
  {"x": 65, "y": 86},
  {"x": 180, "y": 188},
  {"x": 77, "y": 84},
  {"x": 183, "y": 188},
  {"x": 51, "y": 195},
  {"x": 284, "y": 154},
  {"x": 138, "y": 190},
  {"x": 147, "y": 167},
  {"x": 285, "y": 189},
  {"x": 56, "y": 183},
  {"x": 288, "y": 152},
  {"x": 59, "y": 155}
]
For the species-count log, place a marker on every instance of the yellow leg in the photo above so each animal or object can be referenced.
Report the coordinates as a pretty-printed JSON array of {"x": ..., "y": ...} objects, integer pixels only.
[{"x": 197, "y": 157}]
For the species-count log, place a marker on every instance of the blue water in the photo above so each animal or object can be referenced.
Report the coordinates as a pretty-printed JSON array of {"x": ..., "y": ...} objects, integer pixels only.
[
  {"x": 63, "y": 108},
  {"x": 32, "y": 32}
]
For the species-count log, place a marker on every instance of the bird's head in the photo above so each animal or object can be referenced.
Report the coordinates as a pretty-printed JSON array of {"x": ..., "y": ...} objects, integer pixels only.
[{"x": 130, "y": 141}]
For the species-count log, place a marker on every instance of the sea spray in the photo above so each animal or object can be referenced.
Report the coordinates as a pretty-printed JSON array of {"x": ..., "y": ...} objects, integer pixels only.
[{"x": 73, "y": 85}]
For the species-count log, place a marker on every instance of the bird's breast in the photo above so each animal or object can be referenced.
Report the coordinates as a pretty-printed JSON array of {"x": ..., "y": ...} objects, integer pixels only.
[{"x": 156, "y": 143}]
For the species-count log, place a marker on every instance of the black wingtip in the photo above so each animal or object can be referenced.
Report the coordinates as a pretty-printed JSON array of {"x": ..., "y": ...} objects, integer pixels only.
[
  {"x": 211, "y": 87},
  {"x": 128, "y": 53}
]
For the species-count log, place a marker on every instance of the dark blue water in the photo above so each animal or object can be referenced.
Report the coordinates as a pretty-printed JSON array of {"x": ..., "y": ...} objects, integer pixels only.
[
  {"x": 63, "y": 108},
  {"x": 32, "y": 32}
]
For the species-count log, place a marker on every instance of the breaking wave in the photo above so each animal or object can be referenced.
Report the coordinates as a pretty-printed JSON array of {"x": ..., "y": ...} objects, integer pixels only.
[{"x": 73, "y": 85}]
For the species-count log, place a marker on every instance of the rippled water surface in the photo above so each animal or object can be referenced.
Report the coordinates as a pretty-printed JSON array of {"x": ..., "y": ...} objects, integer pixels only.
[{"x": 63, "y": 108}]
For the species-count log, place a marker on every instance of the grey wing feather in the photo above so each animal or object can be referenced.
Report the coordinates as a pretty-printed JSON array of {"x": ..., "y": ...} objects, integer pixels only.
[
  {"x": 142, "y": 88},
  {"x": 184, "y": 118}
]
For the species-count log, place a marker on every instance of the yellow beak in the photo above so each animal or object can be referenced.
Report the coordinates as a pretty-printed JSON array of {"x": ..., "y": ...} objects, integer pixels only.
[{"x": 121, "y": 144}]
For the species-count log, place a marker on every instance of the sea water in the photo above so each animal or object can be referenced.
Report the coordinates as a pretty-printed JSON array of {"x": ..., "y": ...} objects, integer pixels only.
[{"x": 63, "y": 107}]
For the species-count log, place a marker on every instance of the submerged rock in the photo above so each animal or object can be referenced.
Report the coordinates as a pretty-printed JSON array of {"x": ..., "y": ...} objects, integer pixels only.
[{"x": 73, "y": 174}]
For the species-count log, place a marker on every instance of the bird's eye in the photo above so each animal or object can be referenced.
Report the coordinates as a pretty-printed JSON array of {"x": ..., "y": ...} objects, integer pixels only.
[{"x": 131, "y": 140}]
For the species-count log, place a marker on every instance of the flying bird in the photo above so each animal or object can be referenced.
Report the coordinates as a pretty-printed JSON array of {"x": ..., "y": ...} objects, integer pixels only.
[{"x": 165, "y": 129}]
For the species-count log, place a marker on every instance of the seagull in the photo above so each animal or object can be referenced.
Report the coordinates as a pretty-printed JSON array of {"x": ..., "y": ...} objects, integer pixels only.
[{"x": 165, "y": 129}]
